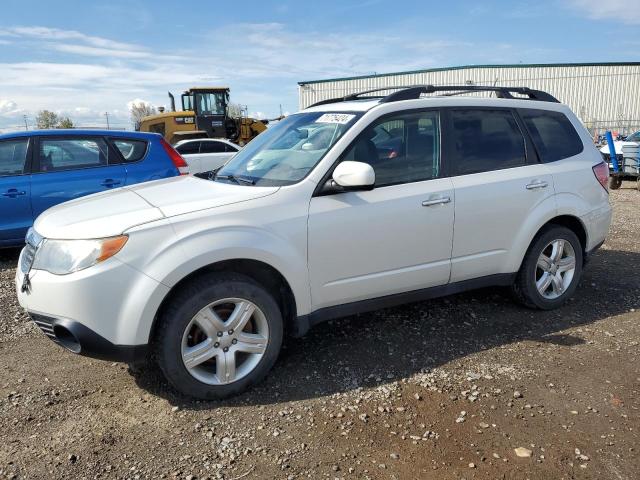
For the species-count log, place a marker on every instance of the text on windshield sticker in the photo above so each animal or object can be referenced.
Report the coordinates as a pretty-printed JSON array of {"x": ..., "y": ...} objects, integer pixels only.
[{"x": 335, "y": 118}]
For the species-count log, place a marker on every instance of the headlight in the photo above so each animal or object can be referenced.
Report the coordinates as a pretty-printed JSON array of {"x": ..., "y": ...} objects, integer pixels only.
[{"x": 61, "y": 257}]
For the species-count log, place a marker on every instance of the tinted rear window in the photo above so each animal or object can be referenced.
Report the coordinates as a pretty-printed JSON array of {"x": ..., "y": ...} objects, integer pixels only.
[
  {"x": 60, "y": 154},
  {"x": 188, "y": 148},
  {"x": 553, "y": 134},
  {"x": 485, "y": 140},
  {"x": 13, "y": 156},
  {"x": 212, "y": 147},
  {"x": 131, "y": 150}
]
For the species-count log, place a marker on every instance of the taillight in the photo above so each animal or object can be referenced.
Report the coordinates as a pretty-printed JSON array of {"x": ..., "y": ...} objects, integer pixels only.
[
  {"x": 175, "y": 157},
  {"x": 601, "y": 171}
]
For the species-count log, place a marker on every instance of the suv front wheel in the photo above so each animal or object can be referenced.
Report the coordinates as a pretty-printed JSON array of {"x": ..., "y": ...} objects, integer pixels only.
[
  {"x": 551, "y": 269},
  {"x": 219, "y": 335}
]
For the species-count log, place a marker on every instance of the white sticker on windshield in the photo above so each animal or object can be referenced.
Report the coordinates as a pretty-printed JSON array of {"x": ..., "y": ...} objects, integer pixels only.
[{"x": 335, "y": 118}]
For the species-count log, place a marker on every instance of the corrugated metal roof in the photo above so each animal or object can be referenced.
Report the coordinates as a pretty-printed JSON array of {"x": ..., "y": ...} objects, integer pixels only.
[{"x": 462, "y": 67}]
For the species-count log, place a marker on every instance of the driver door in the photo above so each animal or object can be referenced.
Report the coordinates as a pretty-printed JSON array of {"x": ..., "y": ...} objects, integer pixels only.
[{"x": 392, "y": 239}]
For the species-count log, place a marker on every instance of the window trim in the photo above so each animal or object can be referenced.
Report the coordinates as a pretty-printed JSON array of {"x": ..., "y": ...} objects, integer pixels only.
[
  {"x": 318, "y": 191},
  {"x": 534, "y": 146},
  {"x": 530, "y": 154},
  {"x": 28, "y": 157},
  {"x": 122, "y": 161},
  {"x": 36, "y": 152}
]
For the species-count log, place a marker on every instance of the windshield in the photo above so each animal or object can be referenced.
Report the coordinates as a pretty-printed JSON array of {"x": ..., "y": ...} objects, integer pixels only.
[
  {"x": 210, "y": 103},
  {"x": 634, "y": 137},
  {"x": 286, "y": 152}
]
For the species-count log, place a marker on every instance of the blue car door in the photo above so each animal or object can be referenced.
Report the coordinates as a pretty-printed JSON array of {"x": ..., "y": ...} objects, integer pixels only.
[
  {"x": 15, "y": 186},
  {"x": 71, "y": 166}
]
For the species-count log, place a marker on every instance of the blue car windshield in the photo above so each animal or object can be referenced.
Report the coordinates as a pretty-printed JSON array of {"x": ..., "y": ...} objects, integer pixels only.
[{"x": 287, "y": 151}]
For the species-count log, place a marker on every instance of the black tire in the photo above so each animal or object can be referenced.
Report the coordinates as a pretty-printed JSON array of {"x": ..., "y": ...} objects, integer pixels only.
[
  {"x": 615, "y": 183},
  {"x": 193, "y": 297},
  {"x": 524, "y": 287}
]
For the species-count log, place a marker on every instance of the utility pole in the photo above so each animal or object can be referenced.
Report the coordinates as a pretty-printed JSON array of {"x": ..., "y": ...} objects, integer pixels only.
[
  {"x": 106, "y": 114},
  {"x": 26, "y": 126}
]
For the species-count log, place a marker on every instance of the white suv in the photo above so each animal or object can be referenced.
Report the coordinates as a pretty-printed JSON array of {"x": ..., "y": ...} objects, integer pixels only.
[{"x": 351, "y": 205}]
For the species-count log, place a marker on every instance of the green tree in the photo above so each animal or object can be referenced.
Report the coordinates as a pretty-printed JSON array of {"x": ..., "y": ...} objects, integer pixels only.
[
  {"x": 47, "y": 119},
  {"x": 65, "y": 122}
]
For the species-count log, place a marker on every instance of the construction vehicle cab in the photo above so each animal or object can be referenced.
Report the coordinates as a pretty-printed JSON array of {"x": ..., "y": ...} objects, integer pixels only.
[
  {"x": 209, "y": 106},
  {"x": 205, "y": 114}
]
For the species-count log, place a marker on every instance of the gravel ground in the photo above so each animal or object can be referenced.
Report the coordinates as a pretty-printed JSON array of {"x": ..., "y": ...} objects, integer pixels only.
[{"x": 469, "y": 386}]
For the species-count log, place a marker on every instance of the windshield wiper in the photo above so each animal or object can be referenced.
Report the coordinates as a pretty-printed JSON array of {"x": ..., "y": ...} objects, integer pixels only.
[{"x": 236, "y": 179}]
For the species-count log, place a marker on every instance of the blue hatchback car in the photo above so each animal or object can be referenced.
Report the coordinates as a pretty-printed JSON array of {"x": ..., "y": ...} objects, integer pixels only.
[{"x": 40, "y": 169}]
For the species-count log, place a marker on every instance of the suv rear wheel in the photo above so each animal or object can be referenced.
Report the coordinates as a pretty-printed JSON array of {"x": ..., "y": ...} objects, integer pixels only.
[
  {"x": 551, "y": 269},
  {"x": 220, "y": 335}
]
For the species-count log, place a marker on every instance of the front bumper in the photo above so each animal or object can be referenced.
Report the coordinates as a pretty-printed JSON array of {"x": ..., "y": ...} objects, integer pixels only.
[
  {"x": 105, "y": 311},
  {"x": 80, "y": 339}
]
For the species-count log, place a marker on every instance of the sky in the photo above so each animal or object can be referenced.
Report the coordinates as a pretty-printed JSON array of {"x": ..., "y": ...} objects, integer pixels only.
[{"x": 83, "y": 59}]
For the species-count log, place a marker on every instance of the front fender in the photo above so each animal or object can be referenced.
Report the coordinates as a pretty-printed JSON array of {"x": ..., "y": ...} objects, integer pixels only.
[{"x": 171, "y": 252}]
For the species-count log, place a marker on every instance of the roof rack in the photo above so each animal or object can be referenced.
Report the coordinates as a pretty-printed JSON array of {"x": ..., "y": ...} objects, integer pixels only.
[{"x": 415, "y": 91}]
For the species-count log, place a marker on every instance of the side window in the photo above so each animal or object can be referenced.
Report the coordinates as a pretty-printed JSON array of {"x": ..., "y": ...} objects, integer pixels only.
[
  {"x": 131, "y": 150},
  {"x": 553, "y": 134},
  {"x": 403, "y": 148},
  {"x": 211, "y": 147},
  {"x": 13, "y": 156},
  {"x": 188, "y": 148},
  {"x": 230, "y": 148},
  {"x": 485, "y": 140},
  {"x": 57, "y": 155}
]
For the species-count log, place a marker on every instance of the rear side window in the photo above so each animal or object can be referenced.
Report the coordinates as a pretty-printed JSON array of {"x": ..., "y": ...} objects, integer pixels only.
[
  {"x": 58, "y": 155},
  {"x": 188, "y": 148},
  {"x": 13, "y": 157},
  {"x": 212, "y": 147},
  {"x": 131, "y": 150},
  {"x": 230, "y": 148},
  {"x": 552, "y": 133},
  {"x": 485, "y": 140}
]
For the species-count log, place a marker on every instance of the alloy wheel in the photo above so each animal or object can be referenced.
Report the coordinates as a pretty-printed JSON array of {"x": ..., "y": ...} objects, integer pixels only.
[
  {"x": 225, "y": 341},
  {"x": 555, "y": 269}
]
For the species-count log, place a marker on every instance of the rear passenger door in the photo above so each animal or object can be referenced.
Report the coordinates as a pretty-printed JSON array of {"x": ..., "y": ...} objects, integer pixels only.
[
  {"x": 67, "y": 167},
  {"x": 498, "y": 183},
  {"x": 15, "y": 186}
]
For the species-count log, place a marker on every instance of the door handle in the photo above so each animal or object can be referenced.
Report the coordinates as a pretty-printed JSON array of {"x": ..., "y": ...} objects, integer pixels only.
[
  {"x": 13, "y": 193},
  {"x": 436, "y": 201},
  {"x": 109, "y": 182},
  {"x": 536, "y": 184}
]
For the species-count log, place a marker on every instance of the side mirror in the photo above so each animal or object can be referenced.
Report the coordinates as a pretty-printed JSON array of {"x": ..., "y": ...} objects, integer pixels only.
[{"x": 354, "y": 176}]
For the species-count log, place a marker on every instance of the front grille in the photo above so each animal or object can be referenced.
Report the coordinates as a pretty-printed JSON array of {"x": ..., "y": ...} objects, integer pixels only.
[{"x": 44, "y": 323}]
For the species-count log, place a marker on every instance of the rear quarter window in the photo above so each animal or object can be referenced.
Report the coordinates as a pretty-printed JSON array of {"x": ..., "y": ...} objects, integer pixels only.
[
  {"x": 553, "y": 134},
  {"x": 131, "y": 150}
]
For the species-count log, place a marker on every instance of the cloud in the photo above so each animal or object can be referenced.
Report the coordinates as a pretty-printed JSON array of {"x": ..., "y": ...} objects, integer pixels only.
[
  {"x": 74, "y": 42},
  {"x": 624, "y": 11},
  {"x": 138, "y": 102},
  {"x": 8, "y": 107}
]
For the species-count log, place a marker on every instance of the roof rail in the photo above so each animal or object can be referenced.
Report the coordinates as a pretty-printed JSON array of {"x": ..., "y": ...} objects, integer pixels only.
[{"x": 415, "y": 91}]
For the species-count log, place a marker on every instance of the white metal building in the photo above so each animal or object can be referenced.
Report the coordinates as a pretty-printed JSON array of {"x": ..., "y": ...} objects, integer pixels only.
[{"x": 603, "y": 95}]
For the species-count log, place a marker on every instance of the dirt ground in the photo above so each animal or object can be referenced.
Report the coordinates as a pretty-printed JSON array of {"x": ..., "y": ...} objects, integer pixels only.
[{"x": 445, "y": 389}]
